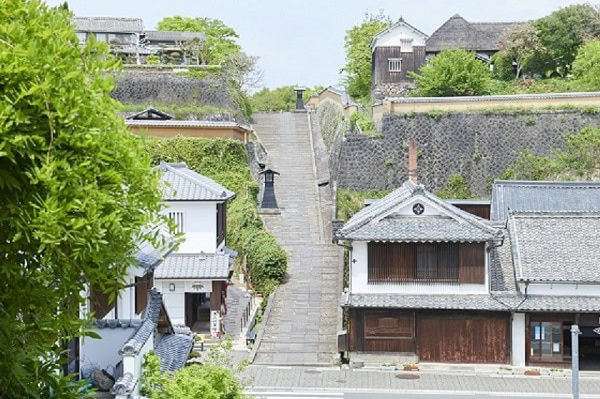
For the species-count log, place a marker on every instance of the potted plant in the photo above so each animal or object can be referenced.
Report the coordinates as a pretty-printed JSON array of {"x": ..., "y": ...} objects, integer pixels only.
[{"x": 410, "y": 367}]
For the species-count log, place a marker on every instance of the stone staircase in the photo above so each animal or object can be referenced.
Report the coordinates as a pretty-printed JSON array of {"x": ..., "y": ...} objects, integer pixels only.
[{"x": 303, "y": 323}]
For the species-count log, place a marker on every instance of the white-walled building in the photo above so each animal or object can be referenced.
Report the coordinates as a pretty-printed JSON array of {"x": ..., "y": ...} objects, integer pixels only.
[{"x": 193, "y": 278}]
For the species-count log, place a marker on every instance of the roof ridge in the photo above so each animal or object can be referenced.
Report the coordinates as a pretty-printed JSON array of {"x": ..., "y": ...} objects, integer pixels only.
[{"x": 222, "y": 192}]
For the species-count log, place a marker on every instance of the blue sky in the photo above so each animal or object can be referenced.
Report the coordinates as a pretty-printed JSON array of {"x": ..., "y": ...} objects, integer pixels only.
[{"x": 302, "y": 42}]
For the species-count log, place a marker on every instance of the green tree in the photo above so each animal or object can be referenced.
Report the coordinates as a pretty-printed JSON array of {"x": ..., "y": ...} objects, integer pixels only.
[
  {"x": 586, "y": 67},
  {"x": 452, "y": 72},
  {"x": 563, "y": 32},
  {"x": 357, "y": 69},
  {"x": 456, "y": 188},
  {"x": 76, "y": 190},
  {"x": 279, "y": 99},
  {"x": 522, "y": 44},
  {"x": 221, "y": 40}
]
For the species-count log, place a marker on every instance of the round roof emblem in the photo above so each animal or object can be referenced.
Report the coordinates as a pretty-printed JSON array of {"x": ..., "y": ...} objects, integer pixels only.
[{"x": 418, "y": 208}]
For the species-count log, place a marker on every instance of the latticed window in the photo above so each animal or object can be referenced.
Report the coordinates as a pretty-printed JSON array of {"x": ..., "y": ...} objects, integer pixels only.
[{"x": 395, "y": 64}]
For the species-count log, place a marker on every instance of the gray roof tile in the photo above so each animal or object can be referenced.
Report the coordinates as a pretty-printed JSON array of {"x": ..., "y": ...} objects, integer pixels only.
[
  {"x": 376, "y": 223},
  {"x": 149, "y": 255},
  {"x": 146, "y": 329},
  {"x": 559, "y": 303},
  {"x": 194, "y": 266},
  {"x": 543, "y": 196},
  {"x": 108, "y": 24},
  {"x": 556, "y": 247},
  {"x": 502, "y": 275},
  {"x": 183, "y": 184},
  {"x": 173, "y": 350},
  {"x": 125, "y": 385},
  {"x": 185, "y": 123},
  {"x": 451, "y": 301}
]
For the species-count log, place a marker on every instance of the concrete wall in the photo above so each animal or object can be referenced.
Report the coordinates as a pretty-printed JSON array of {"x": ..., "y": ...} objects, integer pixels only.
[{"x": 478, "y": 145}]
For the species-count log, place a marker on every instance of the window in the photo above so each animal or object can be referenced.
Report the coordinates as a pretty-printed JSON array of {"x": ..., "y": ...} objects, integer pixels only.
[
  {"x": 177, "y": 217},
  {"x": 221, "y": 222},
  {"x": 426, "y": 262},
  {"x": 546, "y": 341},
  {"x": 395, "y": 64}
]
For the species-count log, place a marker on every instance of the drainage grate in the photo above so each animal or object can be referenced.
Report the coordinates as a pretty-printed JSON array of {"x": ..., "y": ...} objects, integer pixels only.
[
  {"x": 407, "y": 376},
  {"x": 312, "y": 372},
  {"x": 341, "y": 381}
]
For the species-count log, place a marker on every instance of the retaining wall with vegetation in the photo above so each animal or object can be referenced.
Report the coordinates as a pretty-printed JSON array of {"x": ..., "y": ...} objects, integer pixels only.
[{"x": 477, "y": 145}]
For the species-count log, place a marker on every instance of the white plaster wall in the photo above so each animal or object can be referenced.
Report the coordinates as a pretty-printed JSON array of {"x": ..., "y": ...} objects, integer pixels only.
[
  {"x": 394, "y": 37},
  {"x": 561, "y": 289},
  {"x": 359, "y": 279},
  {"x": 174, "y": 300},
  {"x": 199, "y": 225},
  {"x": 518, "y": 340},
  {"x": 103, "y": 353},
  {"x": 125, "y": 303}
]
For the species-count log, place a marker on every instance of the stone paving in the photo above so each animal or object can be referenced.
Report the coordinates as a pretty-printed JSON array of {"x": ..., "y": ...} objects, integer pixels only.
[
  {"x": 481, "y": 381},
  {"x": 302, "y": 326}
]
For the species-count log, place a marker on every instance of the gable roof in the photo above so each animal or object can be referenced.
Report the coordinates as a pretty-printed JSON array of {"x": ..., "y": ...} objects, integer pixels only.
[
  {"x": 194, "y": 266},
  {"x": 457, "y": 32},
  {"x": 173, "y": 36},
  {"x": 108, "y": 24},
  {"x": 378, "y": 222},
  {"x": 183, "y": 184},
  {"x": 555, "y": 246},
  {"x": 401, "y": 22},
  {"x": 150, "y": 113},
  {"x": 543, "y": 196}
]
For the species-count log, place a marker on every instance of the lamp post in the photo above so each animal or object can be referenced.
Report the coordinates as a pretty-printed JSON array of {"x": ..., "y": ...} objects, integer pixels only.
[
  {"x": 299, "y": 101},
  {"x": 575, "y": 360}
]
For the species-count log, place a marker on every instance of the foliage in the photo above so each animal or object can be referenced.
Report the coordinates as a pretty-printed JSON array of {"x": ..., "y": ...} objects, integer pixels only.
[
  {"x": 357, "y": 42},
  {"x": 457, "y": 187},
  {"x": 453, "y": 72},
  {"x": 363, "y": 120},
  {"x": 220, "y": 38},
  {"x": 76, "y": 192},
  {"x": 279, "y": 99},
  {"x": 331, "y": 119},
  {"x": 224, "y": 160},
  {"x": 563, "y": 32},
  {"x": 210, "y": 380},
  {"x": 523, "y": 45},
  {"x": 502, "y": 64},
  {"x": 178, "y": 111},
  {"x": 152, "y": 60},
  {"x": 580, "y": 159},
  {"x": 348, "y": 202},
  {"x": 586, "y": 67}
]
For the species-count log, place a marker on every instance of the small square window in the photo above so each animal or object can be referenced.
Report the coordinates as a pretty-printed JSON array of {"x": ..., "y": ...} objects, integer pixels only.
[{"x": 395, "y": 64}]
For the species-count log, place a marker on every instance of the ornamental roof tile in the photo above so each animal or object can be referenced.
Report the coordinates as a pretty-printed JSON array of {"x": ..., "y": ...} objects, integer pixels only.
[
  {"x": 382, "y": 222},
  {"x": 173, "y": 350},
  {"x": 183, "y": 184}
]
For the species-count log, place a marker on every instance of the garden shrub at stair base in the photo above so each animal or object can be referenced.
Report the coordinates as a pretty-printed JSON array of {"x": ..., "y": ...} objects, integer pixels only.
[{"x": 225, "y": 161}]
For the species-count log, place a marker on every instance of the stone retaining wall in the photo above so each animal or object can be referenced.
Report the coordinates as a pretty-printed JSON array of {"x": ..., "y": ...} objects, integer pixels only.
[{"x": 478, "y": 145}]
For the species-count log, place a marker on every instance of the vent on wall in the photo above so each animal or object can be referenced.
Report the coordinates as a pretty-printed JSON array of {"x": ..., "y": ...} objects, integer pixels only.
[{"x": 177, "y": 218}]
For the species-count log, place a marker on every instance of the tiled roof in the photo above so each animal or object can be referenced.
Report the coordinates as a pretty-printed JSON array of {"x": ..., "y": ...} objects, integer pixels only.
[
  {"x": 117, "y": 323},
  {"x": 183, "y": 184},
  {"x": 532, "y": 196},
  {"x": 148, "y": 255},
  {"x": 145, "y": 330},
  {"x": 559, "y": 303},
  {"x": 457, "y": 32},
  {"x": 502, "y": 273},
  {"x": 125, "y": 385},
  {"x": 453, "y": 301},
  {"x": 186, "y": 123},
  {"x": 556, "y": 247},
  {"x": 145, "y": 114},
  {"x": 174, "y": 349},
  {"x": 378, "y": 222},
  {"x": 401, "y": 22},
  {"x": 171, "y": 36},
  {"x": 108, "y": 24},
  {"x": 194, "y": 266}
]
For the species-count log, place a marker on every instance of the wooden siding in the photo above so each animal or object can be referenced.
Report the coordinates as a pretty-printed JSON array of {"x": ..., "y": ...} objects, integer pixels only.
[
  {"x": 381, "y": 330},
  {"x": 471, "y": 268},
  {"x": 419, "y": 57},
  {"x": 463, "y": 338},
  {"x": 411, "y": 62},
  {"x": 99, "y": 303},
  {"x": 483, "y": 211},
  {"x": 425, "y": 262},
  {"x": 142, "y": 285},
  {"x": 221, "y": 223}
]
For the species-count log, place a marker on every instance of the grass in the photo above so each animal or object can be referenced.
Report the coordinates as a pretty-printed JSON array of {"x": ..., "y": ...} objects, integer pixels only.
[{"x": 349, "y": 202}]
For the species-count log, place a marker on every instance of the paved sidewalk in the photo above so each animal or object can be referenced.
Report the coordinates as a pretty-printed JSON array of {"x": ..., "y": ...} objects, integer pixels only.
[{"x": 449, "y": 380}]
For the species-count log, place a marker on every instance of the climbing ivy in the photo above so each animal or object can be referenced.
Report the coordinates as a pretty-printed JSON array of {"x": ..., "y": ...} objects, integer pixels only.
[{"x": 225, "y": 161}]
